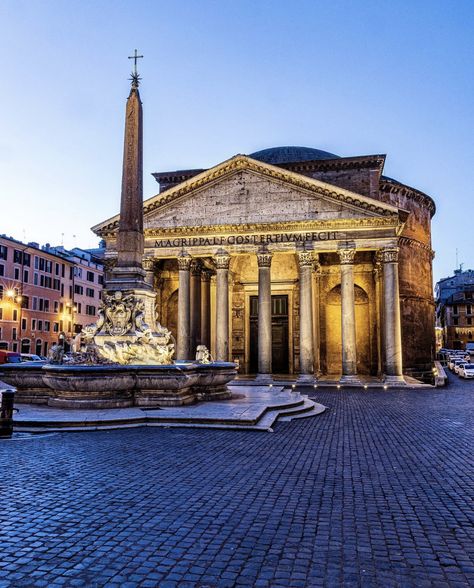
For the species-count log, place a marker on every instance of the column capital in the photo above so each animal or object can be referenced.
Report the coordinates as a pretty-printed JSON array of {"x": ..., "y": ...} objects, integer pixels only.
[
  {"x": 305, "y": 258},
  {"x": 264, "y": 258},
  {"x": 222, "y": 259},
  {"x": 196, "y": 267},
  {"x": 148, "y": 264},
  {"x": 390, "y": 255},
  {"x": 184, "y": 261},
  {"x": 346, "y": 256}
]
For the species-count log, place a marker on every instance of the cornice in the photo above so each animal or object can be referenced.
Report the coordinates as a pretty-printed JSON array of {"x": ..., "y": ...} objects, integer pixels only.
[
  {"x": 359, "y": 162},
  {"x": 379, "y": 223},
  {"x": 244, "y": 163},
  {"x": 336, "y": 224},
  {"x": 409, "y": 242},
  {"x": 391, "y": 186}
]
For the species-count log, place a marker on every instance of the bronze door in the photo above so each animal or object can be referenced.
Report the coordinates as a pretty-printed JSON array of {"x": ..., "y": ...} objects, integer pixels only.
[{"x": 280, "y": 355}]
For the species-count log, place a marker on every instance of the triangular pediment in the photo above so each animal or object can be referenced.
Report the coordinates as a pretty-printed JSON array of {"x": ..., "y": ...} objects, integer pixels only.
[{"x": 242, "y": 191}]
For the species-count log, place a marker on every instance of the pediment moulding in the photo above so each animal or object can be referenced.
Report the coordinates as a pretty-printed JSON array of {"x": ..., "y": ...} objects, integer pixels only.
[{"x": 243, "y": 163}]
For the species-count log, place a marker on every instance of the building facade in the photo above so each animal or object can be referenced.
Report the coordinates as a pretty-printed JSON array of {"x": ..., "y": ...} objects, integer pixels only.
[
  {"x": 45, "y": 293},
  {"x": 292, "y": 260},
  {"x": 455, "y": 309}
]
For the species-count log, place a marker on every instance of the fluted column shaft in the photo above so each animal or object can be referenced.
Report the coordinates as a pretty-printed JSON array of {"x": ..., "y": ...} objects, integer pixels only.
[
  {"x": 392, "y": 324},
  {"x": 305, "y": 260},
  {"x": 222, "y": 260},
  {"x": 206, "y": 308},
  {"x": 195, "y": 305},
  {"x": 348, "y": 325},
  {"x": 183, "y": 343},
  {"x": 264, "y": 260}
]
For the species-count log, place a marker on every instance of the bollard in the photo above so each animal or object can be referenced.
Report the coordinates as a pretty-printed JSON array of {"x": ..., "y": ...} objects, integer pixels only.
[{"x": 6, "y": 413}]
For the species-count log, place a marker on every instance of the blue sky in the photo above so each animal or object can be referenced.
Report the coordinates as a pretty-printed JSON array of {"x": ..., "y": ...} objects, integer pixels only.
[{"x": 225, "y": 77}]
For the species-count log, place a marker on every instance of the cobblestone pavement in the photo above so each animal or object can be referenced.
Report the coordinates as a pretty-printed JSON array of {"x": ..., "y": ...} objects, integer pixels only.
[{"x": 377, "y": 491}]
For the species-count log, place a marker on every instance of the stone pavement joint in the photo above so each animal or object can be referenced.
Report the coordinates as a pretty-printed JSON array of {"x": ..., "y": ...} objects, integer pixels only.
[{"x": 376, "y": 491}]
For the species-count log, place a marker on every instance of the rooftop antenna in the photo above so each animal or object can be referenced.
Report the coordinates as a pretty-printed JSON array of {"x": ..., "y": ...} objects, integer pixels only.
[
  {"x": 457, "y": 260},
  {"x": 62, "y": 239}
]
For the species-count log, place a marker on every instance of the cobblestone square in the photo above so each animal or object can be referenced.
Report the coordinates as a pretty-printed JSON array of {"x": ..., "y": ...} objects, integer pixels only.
[{"x": 377, "y": 491}]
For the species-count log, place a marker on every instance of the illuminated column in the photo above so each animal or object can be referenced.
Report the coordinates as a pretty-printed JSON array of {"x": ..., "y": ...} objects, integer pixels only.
[
  {"x": 222, "y": 260},
  {"x": 206, "y": 308},
  {"x": 305, "y": 260},
  {"x": 378, "y": 307},
  {"x": 348, "y": 326},
  {"x": 184, "y": 265},
  {"x": 195, "y": 305},
  {"x": 316, "y": 317},
  {"x": 392, "y": 326},
  {"x": 264, "y": 260}
]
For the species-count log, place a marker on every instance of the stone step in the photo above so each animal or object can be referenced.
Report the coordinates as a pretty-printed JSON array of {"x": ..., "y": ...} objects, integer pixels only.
[{"x": 310, "y": 409}]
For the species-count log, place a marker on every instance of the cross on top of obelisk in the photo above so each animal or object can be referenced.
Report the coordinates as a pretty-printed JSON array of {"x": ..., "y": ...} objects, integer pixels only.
[{"x": 135, "y": 79}]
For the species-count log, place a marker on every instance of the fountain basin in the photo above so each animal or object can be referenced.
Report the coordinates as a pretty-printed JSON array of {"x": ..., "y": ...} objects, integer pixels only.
[
  {"x": 27, "y": 378},
  {"x": 83, "y": 386},
  {"x": 118, "y": 386}
]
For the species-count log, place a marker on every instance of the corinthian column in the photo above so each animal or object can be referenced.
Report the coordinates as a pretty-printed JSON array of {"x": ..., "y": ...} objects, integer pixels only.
[
  {"x": 222, "y": 260},
  {"x": 264, "y": 260},
  {"x": 378, "y": 307},
  {"x": 305, "y": 260},
  {"x": 206, "y": 308},
  {"x": 183, "y": 343},
  {"x": 195, "y": 305},
  {"x": 392, "y": 326},
  {"x": 348, "y": 326}
]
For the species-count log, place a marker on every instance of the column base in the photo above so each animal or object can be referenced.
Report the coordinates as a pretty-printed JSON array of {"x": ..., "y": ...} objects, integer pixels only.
[
  {"x": 264, "y": 379},
  {"x": 306, "y": 380},
  {"x": 394, "y": 380},
  {"x": 350, "y": 380}
]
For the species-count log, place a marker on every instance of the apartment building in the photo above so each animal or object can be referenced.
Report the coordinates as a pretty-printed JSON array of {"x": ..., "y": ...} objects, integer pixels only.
[
  {"x": 455, "y": 309},
  {"x": 45, "y": 293}
]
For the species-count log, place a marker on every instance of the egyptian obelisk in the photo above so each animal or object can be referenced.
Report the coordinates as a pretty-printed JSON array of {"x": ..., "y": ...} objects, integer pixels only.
[{"x": 128, "y": 275}]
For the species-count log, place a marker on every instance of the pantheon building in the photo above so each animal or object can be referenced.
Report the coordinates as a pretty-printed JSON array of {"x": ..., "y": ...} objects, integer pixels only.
[{"x": 292, "y": 260}]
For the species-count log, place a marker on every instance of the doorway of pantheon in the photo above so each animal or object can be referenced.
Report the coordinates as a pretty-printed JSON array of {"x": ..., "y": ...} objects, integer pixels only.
[{"x": 280, "y": 353}]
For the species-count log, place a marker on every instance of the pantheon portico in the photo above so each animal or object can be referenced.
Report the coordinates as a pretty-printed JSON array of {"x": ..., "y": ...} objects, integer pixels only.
[{"x": 292, "y": 260}]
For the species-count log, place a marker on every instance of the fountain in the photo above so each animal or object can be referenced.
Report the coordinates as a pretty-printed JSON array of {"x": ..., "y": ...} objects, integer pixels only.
[{"x": 125, "y": 358}]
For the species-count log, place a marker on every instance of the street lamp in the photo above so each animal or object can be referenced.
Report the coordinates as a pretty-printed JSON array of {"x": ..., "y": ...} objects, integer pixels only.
[{"x": 72, "y": 309}]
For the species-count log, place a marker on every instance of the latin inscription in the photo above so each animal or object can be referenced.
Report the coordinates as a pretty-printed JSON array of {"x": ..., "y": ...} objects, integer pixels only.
[{"x": 247, "y": 239}]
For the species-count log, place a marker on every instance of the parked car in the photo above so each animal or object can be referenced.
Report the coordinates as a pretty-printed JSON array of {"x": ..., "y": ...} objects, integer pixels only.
[
  {"x": 454, "y": 362},
  {"x": 9, "y": 357},
  {"x": 30, "y": 357},
  {"x": 457, "y": 366},
  {"x": 466, "y": 370}
]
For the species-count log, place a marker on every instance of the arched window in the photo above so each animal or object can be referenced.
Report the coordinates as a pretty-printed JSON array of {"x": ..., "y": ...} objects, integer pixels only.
[{"x": 25, "y": 346}]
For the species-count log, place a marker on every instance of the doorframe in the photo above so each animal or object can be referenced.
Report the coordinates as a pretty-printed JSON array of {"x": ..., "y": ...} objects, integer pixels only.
[{"x": 287, "y": 288}]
